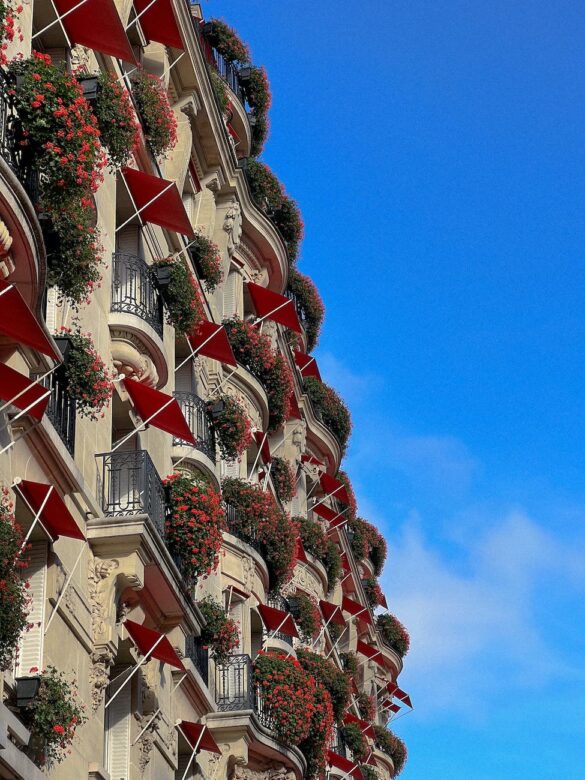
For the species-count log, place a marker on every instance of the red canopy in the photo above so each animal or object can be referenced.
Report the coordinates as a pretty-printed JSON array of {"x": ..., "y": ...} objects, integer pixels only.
[
  {"x": 307, "y": 365},
  {"x": 323, "y": 511},
  {"x": 300, "y": 554},
  {"x": 370, "y": 652},
  {"x": 158, "y": 23},
  {"x": 403, "y": 696},
  {"x": 356, "y": 609},
  {"x": 345, "y": 563},
  {"x": 331, "y": 613},
  {"x": 344, "y": 764},
  {"x": 198, "y": 734},
  {"x": 364, "y": 726},
  {"x": 211, "y": 340},
  {"x": 19, "y": 323},
  {"x": 306, "y": 458},
  {"x": 277, "y": 620},
  {"x": 273, "y": 306},
  {"x": 388, "y": 705},
  {"x": 159, "y": 409},
  {"x": 144, "y": 638},
  {"x": 55, "y": 516},
  {"x": 97, "y": 25},
  {"x": 158, "y": 201},
  {"x": 295, "y": 412},
  {"x": 261, "y": 440},
  {"x": 348, "y": 583},
  {"x": 12, "y": 383},
  {"x": 383, "y": 602},
  {"x": 333, "y": 487}
]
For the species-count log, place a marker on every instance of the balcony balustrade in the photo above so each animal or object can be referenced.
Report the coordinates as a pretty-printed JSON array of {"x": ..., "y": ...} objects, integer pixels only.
[
  {"x": 195, "y": 413},
  {"x": 134, "y": 292},
  {"x": 235, "y": 689},
  {"x": 227, "y": 71},
  {"x": 62, "y": 409},
  {"x": 199, "y": 654},
  {"x": 299, "y": 309},
  {"x": 129, "y": 484}
]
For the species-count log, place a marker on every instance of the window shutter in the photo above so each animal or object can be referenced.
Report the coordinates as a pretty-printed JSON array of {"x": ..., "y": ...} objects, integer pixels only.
[
  {"x": 51, "y": 316},
  {"x": 183, "y": 378},
  {"x": 30, "y": 653},
  {"x": 118, "y": 735},
  {"x": 229, "y": 295},
  {"x": 128, "y": 240}
]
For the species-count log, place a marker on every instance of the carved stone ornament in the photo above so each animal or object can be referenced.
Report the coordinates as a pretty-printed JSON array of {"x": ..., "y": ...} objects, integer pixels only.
[
  {"x": 275, "y": 772},
  {"x": 6, "y": 261},
  {"x": 248, "y": 568},
  {"x": 129, "y": 358},
  {"x": 99, "y": 674},
  {"x": 232, "y": 224},
  {"x": 99, "y": 572}
]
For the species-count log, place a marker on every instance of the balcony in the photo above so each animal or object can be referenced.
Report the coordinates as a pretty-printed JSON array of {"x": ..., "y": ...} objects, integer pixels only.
[
  {"x": 129, "y": 484},
  {"x": 195, "y": 413},
  {"x": 227, "y": 71},
  {"x": 62, "y": 409},
  {"x": 17, "y": 156},
  {"x": 199, "y": 654},
  {"x": 134, "y": 292},
  {"x": 298, "y": 308},
  {"x": 234, "y": 688}
]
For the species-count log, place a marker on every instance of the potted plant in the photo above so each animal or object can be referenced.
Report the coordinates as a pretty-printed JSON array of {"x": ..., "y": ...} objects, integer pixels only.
[
  {"x": 328, "y": 405},
  {"x": 366, "y": 706},
  {"x": 373, "y": 591},
  {"x": 220, "y": 633},
  {"x": 87, "y": 379},
  {"x": 326, "y": 672},
  {"x": 284, "y": 479},
  {"x": 14, "y": 602},
  {"x": 232, "y": 427},
  {"x": 393, "y": 746},
  {"x": 355, "y": 740},
  {"x": 226, "y": 41},
  {"x": 306, "y": 614},
  {"x": 310, "y": 304},
  {"x": 119, "y": 127},
  {"x": 158, "y": 118},
  {"x": 207, "y": 261},
  {"x": 393, "y": 633},
  {"x": 193, "y": 526},
  {"x": 184, "y": 307}
]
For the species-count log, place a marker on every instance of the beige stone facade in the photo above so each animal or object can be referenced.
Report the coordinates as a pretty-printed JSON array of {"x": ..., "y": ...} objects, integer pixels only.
[{"x": 125, "y": 570}]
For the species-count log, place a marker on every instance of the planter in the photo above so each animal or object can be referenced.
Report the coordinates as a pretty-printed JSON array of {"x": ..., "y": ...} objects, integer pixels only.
[
  {"x": 89, "y": 84},
  {"x": 64, "y": 346},
  {"x": 162, "y": 277},
  {"x": 50, "y": 235},
  {"x": 27, "y": 689},
  {"x": 207, "y": 30},
  {"x": 244, "y": 75},
  {"x": 215, "y": 409}
]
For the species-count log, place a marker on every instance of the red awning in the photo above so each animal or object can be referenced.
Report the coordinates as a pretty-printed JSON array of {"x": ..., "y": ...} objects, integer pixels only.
[
  {"x": 200, "y": 735},
  {"x": 19, "y": 323},
  {"x": 388, "y": 705},
  {"x": 345, "y": 563},
  {"x": 55, "y": 516},
  {"x": 160, "y": 409},
  {"x": 307, "y": 365},
  {"x": 97, "y": 25},
  {"x": 144, "y": 638},
  {"x": 392, "y": 688},
  {"x": 348, "y": 583},
  {"x": 331, "y": 613},
  {"x": 370, "y": 652},
  {"x": 356, "y": 610},
  {"x": 337, "y": 523},
  {"x": 158, "y": 23},
  {"x": 12, "y": 383},
  {"x": 300, "y": 554},
  {"x": 403, "y": 696},
  {"x": 333, "y": 487},
  {"x": 312, "y": 460},
  {"x": 273, "y": 306},
  {"x": 295, "y": 412},
  {"x": 211, "y": 340},
  {"x": 277, "y": 620},
  {"x": 344, "y": 764},
  {"x": 158, "y": 201},
  {"x": 383, "y": 602},
  {"x": 261, "y": 440},
  {"x": 365, "y": 727},
  {"x": 323, "y": 511}
]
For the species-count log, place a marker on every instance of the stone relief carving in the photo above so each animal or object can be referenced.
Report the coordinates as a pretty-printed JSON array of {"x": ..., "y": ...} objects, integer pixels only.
[
  {"x": 232, "y": 224},
  {"x": 6, "y": 261},
  {"x": 275, "y": 772},
  {"x": 80, "y": 59},
  {"x": 270, "y": 329},
  {"x": 129, "y": 358},
  {"x": 247, "y": 573},
  {"x": 99, "y": 674},
  {"x": 99, "y": 572}
]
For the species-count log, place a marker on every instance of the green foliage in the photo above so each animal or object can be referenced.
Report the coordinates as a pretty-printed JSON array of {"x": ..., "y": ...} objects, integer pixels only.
[
  {"x": 119, "y": 129},
  {"x": 333, "y": 679},
  {"x": 355, "y": 741},
  {"x": 328, "y": 405},
  {"x": 220, "y": 632},
  {"x": 310, "y": 303},
  {"x": 392, "y": 745}
]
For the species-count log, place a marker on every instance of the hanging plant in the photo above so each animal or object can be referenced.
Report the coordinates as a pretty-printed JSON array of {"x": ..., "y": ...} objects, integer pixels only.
[
  {"x": 392, "y": 745},
  {"x": 329, "y": 406},
  {"x": 207, "y": 260},
  {"x": 259, "y": 521},
  {"x": 350, "y": 663},
  {"x": 393, "y": 633},
  {"x": 284, "y": 479},
  {"x": 220, "y": 90},
  {"x": 373, "y": 591},
  {"x": 254, "y": 351},
  {"x": 88, "y": 381},
  {"x": 366, "y": 706},
  {"x": 232, "y": 427},
  {"x": 260, "y": 129},
  {"x": 119, "y": 128},
  {"x": 53, "y": 716},
  {"x": 325, "y": 671},
  {"x": 332, "y": 564},
  {"x": 194, "y": 525},
  {"x": 310, "y": 303},
  {"x": 227, "y": 42},
  {"x": 8, "y": 29},
  {"x": 14, "y": 601},
  {"x": 313, "y": 537},
  {"x": 258, "y": 89},
  {"x": 184, "y": 306},
  {"x": 158, "y": 118},
  {"x": 355, "y": 741},
  {"x": 59, "y": 138},
  {"x": 314, "y": 747},
  {"x": 367, "y": 542},
  {"x": 307, "y": 616},
  {"x": 220, "y": 633},
  {"x": 269, "y": 195},
  {"x": 343, "y": 477}
]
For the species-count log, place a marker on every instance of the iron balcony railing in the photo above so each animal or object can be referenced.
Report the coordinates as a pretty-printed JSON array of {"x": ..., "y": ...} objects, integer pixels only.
[
  {"x": 299, "y": 309},
  {"x": 134, "y": 292},
  {"x": 129, "y": 484},
  {"x": 234, "y": 689},
  {"x": 199, "y": 654},
  {"x": 194, "y": 410},
  {"x": 62, "y": 409},
  {"x": 237, "y": 525},
  {"x": 338, "y": 743},
  {"x": 227, "y": 71}
]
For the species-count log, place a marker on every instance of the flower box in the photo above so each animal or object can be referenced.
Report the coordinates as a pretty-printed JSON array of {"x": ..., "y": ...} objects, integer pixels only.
[
  {"x": 27, "y": 689},
  {"x": 89, "y": 85},
  {"x": 162, "y": 277},
  {"x": 215, "y": 409},
  {"x": 64, "y": 346}
]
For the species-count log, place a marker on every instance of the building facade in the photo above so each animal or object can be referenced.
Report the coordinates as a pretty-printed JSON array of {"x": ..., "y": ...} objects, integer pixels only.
[{"x": 185, "y": 615}]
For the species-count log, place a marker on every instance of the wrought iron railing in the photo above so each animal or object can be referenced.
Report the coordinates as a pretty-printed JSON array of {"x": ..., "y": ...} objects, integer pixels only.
[
  {"x": 199, "y": 654},
  {"x": 227, "y": 71},
  {"x": 234, "y": 688},
  {"x": 238, "y": 526},
  {"x": 299, "y": 309},
  {"x": 194, "y": 411},
  {"x": 338, "y": 743},
  {"x": 129, "y": 484},
  {"x": 134, "y": 292},
  {"x": 62, "y": 409}
]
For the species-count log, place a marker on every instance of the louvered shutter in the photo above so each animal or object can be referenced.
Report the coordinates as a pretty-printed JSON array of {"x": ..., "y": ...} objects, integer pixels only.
[
  {"x": 118, "y": 735},
  {"x": 30, "y": 653},
  {"x": 229, "y": 295},
  {"x": 128, "y": 240},
  {"x": 183, "y": 378}
]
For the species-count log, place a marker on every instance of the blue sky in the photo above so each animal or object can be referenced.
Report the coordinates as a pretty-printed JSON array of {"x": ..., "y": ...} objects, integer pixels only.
[{"x": 437, "y": 150}]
